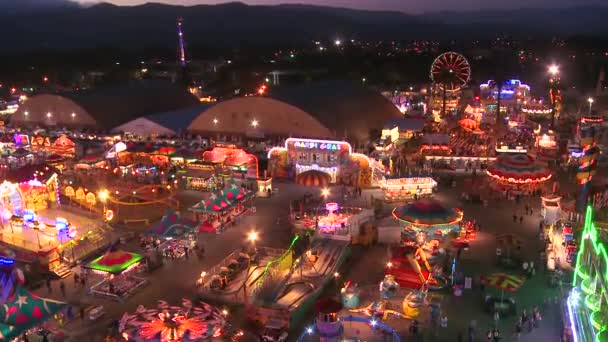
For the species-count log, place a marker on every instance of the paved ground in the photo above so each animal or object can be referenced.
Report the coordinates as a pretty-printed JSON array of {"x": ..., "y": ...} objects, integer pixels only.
[{"x": 176, "y": 279}]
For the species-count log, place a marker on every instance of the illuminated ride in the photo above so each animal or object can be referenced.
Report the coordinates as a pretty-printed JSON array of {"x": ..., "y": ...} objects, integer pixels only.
[
  {"x": 450, "y": 71},
  {"x": 165, "y": 323},
  {"x": 333, "y": 222},
  {"x": 514, "y": 171},
  {"x": 330, "y": 327},
  {"x": 428, "y": 216},
  {"x": 410, "y": 268}
]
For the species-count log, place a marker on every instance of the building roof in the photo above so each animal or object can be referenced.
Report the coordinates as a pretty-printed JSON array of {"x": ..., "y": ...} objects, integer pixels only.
[
  {"x": 113, "y": 106},
  {"x": 405, "y": 124},
  {"x": 105, "y": 108},
  {"x": 179, "y": 119},
  {"x": 345, "y": 108}
]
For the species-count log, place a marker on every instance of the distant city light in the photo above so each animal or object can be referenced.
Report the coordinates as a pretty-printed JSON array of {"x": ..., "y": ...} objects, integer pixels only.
[{"x": 338, "y": 42}]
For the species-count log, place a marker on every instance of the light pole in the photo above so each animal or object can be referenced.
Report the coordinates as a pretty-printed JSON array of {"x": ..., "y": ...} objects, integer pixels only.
[
  {"x": 590, "y": 100},
  {"x": 553, "y": 84},
  {"x": 252, "y": 236},
  {"x": 103, "y": 197}
]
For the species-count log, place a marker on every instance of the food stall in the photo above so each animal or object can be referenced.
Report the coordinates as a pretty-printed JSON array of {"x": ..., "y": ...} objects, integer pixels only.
[{"x": 401, "y": 189}]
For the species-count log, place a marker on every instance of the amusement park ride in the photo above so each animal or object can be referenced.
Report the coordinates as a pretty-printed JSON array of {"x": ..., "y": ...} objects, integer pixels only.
[{"x": 450, "y": 72}]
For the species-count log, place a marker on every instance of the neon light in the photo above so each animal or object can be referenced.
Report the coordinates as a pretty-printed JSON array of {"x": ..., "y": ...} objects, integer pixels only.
[
  {"x": 331, "y": 207},
  {"x": 519, "y": 181},
  {"x": 6, "y": 261},
  {"x": 306, "y": 143},
  {"x": 571, "y": 315}
]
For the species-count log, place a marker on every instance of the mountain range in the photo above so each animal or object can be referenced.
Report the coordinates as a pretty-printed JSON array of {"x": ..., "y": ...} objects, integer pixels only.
[{"x": 62, "y": 25}]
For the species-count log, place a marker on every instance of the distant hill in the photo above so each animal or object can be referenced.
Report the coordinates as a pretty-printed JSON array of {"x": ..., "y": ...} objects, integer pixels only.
[
  {"x": 63, "y": 26},
  {"x": 582, "y": 20}
]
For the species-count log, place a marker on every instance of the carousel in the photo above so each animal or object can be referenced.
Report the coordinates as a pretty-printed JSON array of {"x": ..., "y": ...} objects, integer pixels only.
[
  {"x": 520, "y": 173},
  {"x": 428, "y": 216},
  {"x": 165, "y": 323}
]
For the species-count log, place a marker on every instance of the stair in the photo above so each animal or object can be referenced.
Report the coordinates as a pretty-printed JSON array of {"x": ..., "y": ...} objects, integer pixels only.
[{"x": 62, "y": 271}]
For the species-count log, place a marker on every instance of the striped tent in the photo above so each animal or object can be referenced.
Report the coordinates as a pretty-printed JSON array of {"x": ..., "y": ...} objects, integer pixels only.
[{"x": 313, "y": 178}]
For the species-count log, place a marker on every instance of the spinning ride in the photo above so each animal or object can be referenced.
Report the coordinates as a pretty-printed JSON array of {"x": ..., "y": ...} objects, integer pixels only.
[
  {"x": 188, "y": 322},
  {"x": 518, "y": 171},
  {"x": 428, "y": 216}
]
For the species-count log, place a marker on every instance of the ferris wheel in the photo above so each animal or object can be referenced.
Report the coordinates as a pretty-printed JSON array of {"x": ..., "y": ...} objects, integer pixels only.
[{"x": 450, "y": 71}]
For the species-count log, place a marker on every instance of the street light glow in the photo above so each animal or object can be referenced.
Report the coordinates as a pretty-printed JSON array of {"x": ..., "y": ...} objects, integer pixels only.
[
  {"x": 252, "y": 236},
  {"x": 338, "y": 42},
  {"x": 215, "y": 121},
  {"x": 254, "y": 123},
  {"x": 590, "y": 100},
  {"x": 103, "y": 195},
  {"x": 554, "y": 69},
  {"x": 325, "y": 192}
]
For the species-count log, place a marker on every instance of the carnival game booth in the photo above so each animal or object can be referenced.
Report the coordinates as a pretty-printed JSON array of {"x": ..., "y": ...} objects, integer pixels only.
[
  {"x": 517, "y": 173},
  {"x": 403, "y": 189},
  {"x": 190, "y": 321},
  {"x": 428, "y": 217},
  {"x": 117, "y": 269},
  {"x": 175, "y": 232},
  {"x": 335, "y": 158},
  {"x": 205, "y": 176},
  {"x": 221, "y": 208}
]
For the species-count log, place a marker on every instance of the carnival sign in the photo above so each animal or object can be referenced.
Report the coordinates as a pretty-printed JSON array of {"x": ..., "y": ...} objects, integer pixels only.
[
  {"x": 69, "y": 191},
  {"x": 90, "y": 198},
  {"x": 80, "y": 194}
]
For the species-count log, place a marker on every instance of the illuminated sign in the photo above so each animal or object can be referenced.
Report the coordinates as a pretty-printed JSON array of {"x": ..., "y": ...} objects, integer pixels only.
[
  {"x": 316, "y": 145},
  {"x": 6, "y": 261}
]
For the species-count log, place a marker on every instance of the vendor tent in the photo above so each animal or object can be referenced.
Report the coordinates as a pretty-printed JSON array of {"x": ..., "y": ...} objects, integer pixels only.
[
  {"x": 172, "y": 225},
  {"x": 24, "y": 310}
]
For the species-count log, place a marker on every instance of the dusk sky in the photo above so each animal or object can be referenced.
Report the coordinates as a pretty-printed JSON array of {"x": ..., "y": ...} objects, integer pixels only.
[{"x": 410, "y": 6}]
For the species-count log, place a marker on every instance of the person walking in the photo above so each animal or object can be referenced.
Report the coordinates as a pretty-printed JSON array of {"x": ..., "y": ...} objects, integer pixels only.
[
  {"x": 521, "y": 219},
  {"x": 518, "y": 328},
  {"x": 48, "y": 285},
  {"x": 62, "y": 288}
]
